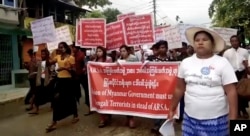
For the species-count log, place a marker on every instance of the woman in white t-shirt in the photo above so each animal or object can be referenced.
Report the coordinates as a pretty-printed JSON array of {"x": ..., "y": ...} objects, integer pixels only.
[{"x": 208, "y": 82}]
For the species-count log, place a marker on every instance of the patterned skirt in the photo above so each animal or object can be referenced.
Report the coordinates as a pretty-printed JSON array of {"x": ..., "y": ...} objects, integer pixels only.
[{"x": 211, "y": 127}]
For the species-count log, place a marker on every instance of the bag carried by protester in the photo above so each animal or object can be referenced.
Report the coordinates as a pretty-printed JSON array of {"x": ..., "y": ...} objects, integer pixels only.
[{"x": 243, "y": 88}]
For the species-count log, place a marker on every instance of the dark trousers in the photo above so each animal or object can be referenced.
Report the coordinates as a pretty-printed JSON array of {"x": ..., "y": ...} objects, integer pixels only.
[
  {"x": 182, "y": 105},
  {"x": 30, "y": 94},
  {"x": 85, "y": 85},
  {"x": 242, "y": 102},
  {"x": 64, "y": 103}
]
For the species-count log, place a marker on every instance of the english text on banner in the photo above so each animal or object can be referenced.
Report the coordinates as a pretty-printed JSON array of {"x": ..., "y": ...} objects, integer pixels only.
[{"x": 130, "y": 89}]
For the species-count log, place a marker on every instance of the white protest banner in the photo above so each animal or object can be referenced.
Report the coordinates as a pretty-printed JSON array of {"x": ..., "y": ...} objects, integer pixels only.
[
  {"x": 173, "y": 37},
  {"x": 43, "y": 30},
  {"x": 183, "y": 27},
  {"x": 35, "y": 48},
  {"x": 160, "y": 33},
  {"x": 63, "y": 35},
  {"x": 225, "y": 33}
]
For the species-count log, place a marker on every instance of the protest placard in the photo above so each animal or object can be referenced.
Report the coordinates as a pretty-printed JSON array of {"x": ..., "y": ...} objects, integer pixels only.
[
  {"x": 130, "y": 89},
  {"x": 63, "y": 35},
  {"x": 182, "y": 28},
  {"x": 93, "y": 32},
  {"x": 115, "y": 35},
  {"x": 78, "y": 34},
  {"x": 123, "y": 16},
  {"x": 43, "y": 30},
  {"x": 139, "y": 29},
  {"x": 225, "y": 33},
  {"x": 160, "y": 33},
  {"x": 173, "y": 37},
  {"x": 35, "y": 48}
]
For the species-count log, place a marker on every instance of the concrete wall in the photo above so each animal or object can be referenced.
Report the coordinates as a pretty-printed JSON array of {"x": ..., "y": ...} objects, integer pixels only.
[{"x": 8, "y": 15}]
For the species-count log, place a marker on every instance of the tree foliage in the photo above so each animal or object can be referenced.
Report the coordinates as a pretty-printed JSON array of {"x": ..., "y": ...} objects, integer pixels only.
[
  {"x": 228, "y": 13},
  {"x": 94, "y": 14},
  {"x": 93, "y": 3},
  {"x": 111, "y": 14}
]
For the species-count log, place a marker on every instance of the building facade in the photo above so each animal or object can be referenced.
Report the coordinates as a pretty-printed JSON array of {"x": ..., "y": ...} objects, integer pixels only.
[{"x": 16, "y": 37}]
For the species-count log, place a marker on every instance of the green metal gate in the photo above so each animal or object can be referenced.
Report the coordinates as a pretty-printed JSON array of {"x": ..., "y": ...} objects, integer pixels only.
[{"x": 6, "y": 61}]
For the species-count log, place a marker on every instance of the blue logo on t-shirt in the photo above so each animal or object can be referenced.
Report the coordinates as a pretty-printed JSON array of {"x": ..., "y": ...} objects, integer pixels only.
[{"x": 205, "y": 70}]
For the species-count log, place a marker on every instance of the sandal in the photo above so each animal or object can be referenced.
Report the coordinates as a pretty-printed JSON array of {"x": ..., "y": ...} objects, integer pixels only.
[
  {"x": 29, "y": 109},
  {"x": 89, "y": 113},
  {"x": 51, "y": 128},
  {"x": 131, "y": 123},
  {"x": 102, "y": 124},
  {"x": 75, "y": 120},
  {"x": 34, "y": 113}
]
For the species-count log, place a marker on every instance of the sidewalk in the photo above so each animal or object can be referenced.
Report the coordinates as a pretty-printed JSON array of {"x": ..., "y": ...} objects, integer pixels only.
[
  {"x": 12, "y": 102},
  {"x": 12, "y": 94}
]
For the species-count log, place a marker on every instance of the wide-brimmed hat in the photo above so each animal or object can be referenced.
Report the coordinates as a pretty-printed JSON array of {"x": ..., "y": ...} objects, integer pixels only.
[{"x": 218, "y": 40}]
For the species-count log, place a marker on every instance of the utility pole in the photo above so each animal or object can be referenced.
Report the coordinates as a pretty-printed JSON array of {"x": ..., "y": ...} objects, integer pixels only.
[{"x": 154, "y": 6}]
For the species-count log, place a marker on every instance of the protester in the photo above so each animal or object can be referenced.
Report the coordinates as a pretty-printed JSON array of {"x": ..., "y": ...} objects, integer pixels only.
[
  {"x": 208, "y": 82},
  {"x": 155, "y": 49},
  {"x": 162, "y": 56},
  {"x": 190, "y": 51},
  {"x": 101, "y": 56},
  {"x": 79, "y": 73},
  {"x": 126, "y": 56},
  {"x": 32, "y": 68},
  {"x": 64, "y": 103},
  {"x": 238, "y": 58},
  {"x": 42, "y": 95},
  {"x": 182, "y": 52}
]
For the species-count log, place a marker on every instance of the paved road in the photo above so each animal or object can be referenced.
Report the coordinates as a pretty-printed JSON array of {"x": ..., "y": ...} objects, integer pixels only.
[{"x": 26, "y": 125}]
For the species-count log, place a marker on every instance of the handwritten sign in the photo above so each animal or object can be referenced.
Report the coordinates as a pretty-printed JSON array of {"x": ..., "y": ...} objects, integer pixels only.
[
  {"x": 93, "y": 32},
  {"x": 183, "y": 28},
  {"x": 43, "y": 30},
  {"x": 144, "y": 92},
  {"x": 160, "y": 33},
  {"x": 63, "y": 35},
  {"x": 225, "y": 33},
  {"x": 123, "y": 16},
  {"x": 35, "y": 48},
  {"x": 173, "y": 37},
  {"x": 139, "y": 29},
  {"x": 115, "y": 35}
]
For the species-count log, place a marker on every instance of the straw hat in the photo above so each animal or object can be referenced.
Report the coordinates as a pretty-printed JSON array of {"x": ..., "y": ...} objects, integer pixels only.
[{"x": 218, "y": 40}]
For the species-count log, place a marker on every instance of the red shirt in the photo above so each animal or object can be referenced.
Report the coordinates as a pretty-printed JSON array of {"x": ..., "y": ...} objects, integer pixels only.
[{"x": 79, "y": 62}]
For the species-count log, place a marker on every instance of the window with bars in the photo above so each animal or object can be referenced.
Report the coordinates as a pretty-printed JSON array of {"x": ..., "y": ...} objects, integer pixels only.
[
  {"x": 6, "y": 61},
  {"x": 9, "y": 3}
]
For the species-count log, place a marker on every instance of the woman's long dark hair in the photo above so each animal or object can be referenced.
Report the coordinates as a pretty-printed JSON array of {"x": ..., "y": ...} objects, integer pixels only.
[
  {"x": 104, "y": 55},
  {"x": 66, "y": 46},
  {"x": 126, "y": 48}
]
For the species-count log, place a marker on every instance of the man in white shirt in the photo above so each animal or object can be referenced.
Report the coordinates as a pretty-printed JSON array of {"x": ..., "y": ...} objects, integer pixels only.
[{"x": 238, "y": 57}]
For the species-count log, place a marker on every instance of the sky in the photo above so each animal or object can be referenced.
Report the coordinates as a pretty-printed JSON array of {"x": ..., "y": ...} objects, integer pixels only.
[{"x": 189, "y": 11}]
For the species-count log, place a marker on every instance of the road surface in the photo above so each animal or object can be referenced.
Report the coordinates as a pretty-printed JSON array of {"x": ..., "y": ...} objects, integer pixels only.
[{"x": 26, "y": 125}]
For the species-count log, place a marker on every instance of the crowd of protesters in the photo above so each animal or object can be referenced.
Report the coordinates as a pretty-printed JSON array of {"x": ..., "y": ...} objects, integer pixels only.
[{"x": 58, "y": 76}]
